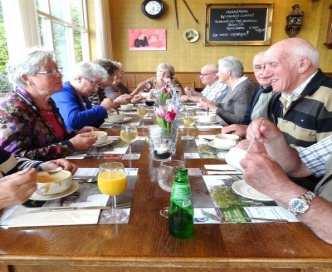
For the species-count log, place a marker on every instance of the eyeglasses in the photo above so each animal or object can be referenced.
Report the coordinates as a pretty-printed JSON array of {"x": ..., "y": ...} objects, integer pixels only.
[
  {"x": 57, "y": 71},
  {"x": 206, "y": 74},
  {"x": 93, "y": 82}
]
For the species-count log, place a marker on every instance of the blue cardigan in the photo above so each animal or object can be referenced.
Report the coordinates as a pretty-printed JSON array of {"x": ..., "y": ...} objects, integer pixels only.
[{"x": 77, "y": 112}]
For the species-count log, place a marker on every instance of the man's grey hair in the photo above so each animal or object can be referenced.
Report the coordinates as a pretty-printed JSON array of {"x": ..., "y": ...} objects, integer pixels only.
[
  {"x": 90, "y": 71},
  {"x": 29, "y": 64},
  {"x": 166, "y": 67},
  {"x": 232, "y": 65}
]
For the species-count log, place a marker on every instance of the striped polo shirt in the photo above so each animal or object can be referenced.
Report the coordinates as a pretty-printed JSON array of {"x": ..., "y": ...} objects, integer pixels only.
[{"x": 308, "y": 119}]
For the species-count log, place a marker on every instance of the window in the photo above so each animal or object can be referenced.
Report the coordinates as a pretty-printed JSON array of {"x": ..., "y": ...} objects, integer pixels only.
[
  {"x": 62, "y": 27},
  {"x": 4, "y": 84}
]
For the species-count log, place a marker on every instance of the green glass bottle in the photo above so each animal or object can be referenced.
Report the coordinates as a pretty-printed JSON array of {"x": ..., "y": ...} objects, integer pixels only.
[{"x": 181, "y": 213}]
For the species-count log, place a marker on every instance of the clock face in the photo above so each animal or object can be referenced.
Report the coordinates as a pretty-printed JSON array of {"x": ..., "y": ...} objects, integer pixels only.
[{"x": 153, "y": 7}]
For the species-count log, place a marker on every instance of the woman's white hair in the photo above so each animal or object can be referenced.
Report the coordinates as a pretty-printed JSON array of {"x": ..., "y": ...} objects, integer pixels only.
[
  {"x": 232, "y": 65},
  {"x": 29, "y": 64},
  {"x": 165, "y": 67},
  {"x": 90, "y": 71}
]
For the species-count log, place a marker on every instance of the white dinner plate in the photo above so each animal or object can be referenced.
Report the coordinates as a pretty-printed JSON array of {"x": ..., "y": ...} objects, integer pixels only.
[
  {"x": 107, "y": 142},
  {"x": 242, "y": 188},
  {"x": 116, "y": 119},
  {"x": 73, "y": 188},
  {"x": 226, "y": 146}
]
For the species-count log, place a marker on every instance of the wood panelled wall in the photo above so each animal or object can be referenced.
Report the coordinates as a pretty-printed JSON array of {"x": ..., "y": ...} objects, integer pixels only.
[
  {"x": 186, "y": 57},
  {"x": 131, "y": 79}
]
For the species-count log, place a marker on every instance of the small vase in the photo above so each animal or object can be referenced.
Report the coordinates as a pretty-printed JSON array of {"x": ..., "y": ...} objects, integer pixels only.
[{"x": 162, "y": 142}]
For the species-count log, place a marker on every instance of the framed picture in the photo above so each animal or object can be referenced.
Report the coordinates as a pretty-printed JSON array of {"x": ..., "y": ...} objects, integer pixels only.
[
  {"x": 238, "y": 24},
  {"x": 144, "y": 39}
]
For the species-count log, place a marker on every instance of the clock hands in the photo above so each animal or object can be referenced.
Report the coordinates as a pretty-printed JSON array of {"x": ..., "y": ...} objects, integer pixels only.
[
  {"x": 176, "y": 13},
  {"x": 190, "y": 11}
]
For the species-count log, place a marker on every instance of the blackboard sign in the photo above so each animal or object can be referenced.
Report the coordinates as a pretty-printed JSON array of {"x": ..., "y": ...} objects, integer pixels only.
[{"x": 238, "y": 24}]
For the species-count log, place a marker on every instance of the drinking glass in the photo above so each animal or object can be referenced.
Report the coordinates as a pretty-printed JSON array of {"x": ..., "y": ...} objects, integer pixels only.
[
  {"x": 141, "y": 111},
  {"x": 188, "y": 122},
  {"x": 112, "y": 181},
  {"x": 128, "y": 135},
  {"x": 166, "y": 175}
]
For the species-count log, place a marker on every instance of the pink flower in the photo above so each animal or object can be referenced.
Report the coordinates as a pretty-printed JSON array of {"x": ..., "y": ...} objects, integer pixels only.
[
  {"x": 160, "y": 112},
  {"x": 170, "y": 116}
]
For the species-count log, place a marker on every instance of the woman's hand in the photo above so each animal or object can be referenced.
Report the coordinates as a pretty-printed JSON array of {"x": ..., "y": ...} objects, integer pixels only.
[
  {"x": 83, "y": 141},
  {"x": 17, "y": 188},
  {"x": 64, "y": 164}
]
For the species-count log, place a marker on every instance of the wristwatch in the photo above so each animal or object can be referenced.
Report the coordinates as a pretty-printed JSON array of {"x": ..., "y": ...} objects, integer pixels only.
[{"x": 301, "y": 204}]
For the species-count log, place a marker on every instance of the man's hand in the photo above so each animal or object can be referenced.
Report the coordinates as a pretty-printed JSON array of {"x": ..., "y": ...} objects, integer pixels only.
[
  {"x": 83, "y": 141},
  {"x": 263, "y": 131},
  {"x": 266, "y": 176},
  {"x": 17, "y": 188}
]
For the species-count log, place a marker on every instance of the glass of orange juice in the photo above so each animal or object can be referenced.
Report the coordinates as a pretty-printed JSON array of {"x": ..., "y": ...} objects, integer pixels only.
[{"x": 112, "y": 180}]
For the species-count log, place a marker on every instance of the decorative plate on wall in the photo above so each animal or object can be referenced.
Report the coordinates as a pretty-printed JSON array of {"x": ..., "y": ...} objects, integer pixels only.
[{"x": 191, "y": 35}]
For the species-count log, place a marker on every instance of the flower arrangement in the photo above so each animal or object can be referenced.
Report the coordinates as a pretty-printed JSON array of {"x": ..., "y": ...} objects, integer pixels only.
[{"x": 165, "y": 115}]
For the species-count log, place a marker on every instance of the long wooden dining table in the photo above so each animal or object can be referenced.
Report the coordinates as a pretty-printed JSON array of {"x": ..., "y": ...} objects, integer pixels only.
[{"x": 144, "y": 244}]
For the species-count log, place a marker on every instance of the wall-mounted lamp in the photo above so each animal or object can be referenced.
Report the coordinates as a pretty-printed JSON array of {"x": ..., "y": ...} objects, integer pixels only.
[{"x": 294, "y": 21}]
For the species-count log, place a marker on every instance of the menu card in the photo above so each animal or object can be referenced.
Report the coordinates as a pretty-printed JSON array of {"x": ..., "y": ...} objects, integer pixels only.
[{"x": 235, "y": 208}]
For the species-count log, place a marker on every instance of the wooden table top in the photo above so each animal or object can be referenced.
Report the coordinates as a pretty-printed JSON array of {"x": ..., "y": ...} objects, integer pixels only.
[{"x": 146, "y": 243}]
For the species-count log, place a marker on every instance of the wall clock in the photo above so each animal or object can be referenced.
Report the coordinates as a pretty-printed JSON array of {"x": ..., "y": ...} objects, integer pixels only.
[{"x": 153, "y": 8}]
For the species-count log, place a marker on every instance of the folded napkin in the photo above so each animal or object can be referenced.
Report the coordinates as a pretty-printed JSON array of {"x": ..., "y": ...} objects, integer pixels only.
[{"x": 19, "y": 216}]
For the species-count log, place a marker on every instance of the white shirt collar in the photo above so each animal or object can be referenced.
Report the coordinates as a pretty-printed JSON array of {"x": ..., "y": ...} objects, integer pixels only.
[{"x": 299, "y": 89}]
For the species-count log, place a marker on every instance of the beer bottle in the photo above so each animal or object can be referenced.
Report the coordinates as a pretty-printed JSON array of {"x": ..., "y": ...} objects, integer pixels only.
[{"x": 180, "y": 214}]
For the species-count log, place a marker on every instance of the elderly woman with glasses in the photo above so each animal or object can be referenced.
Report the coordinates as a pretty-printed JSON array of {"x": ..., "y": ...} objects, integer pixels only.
[
  {"x": 165, "y": 78},
  {"x": 73, "y": 100},
  {"x": 30, "y": 124}
]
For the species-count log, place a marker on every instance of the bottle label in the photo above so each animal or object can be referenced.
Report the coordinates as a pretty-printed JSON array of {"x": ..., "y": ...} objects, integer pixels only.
[{"x": 181, "y": 192}]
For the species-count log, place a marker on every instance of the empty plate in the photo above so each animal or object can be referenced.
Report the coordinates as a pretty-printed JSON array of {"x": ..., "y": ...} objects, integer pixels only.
[{"x": 242, "y": 188}]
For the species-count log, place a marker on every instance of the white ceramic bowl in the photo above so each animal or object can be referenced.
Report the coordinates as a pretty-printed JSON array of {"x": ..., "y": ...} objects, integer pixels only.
[
  {"x": 101, "y": 136},
  {"x": 54, "y": 183},
  {"x": 127, "y": 107},
  {"x": 234, "y": 156}
]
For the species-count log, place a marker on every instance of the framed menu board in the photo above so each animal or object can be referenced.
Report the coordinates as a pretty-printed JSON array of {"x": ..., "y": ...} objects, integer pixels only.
[{"x": 237, "y": 24}]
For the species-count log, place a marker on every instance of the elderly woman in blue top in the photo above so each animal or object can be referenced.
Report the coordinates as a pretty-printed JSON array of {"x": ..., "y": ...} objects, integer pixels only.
[{"x": 73, "y": 103}]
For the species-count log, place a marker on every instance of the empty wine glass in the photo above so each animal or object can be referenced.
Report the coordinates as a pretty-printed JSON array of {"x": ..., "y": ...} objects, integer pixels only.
[{"x": 166, "y": 175}]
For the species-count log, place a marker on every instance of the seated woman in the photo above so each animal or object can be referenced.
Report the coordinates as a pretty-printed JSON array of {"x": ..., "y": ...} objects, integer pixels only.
[
  {"x": 17, "y": 187},
  {"x": 165, "y": 78},
  {"x": 30, "y": 124},
  {"x": 112, "y": 87},
  {"x": 72, "y": 100}
]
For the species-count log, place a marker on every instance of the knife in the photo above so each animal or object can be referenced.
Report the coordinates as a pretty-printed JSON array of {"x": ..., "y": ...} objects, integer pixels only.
[{"x": 69, "y": 208}]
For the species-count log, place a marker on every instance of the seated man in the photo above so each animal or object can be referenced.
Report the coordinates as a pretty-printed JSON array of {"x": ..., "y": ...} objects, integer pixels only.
[
  {"x": 232, "y": 108},
  {"x": 267, "y": 174},
  {"x": 259, "y": 103},
  {"x": 302, "y": 104},
  {"x": 17, "y": 187},
  {"x": 213, "y": 90}
]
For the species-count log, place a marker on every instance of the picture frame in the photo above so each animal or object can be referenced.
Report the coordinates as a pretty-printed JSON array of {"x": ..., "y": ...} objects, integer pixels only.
[{"x": 238, "y": 24}]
